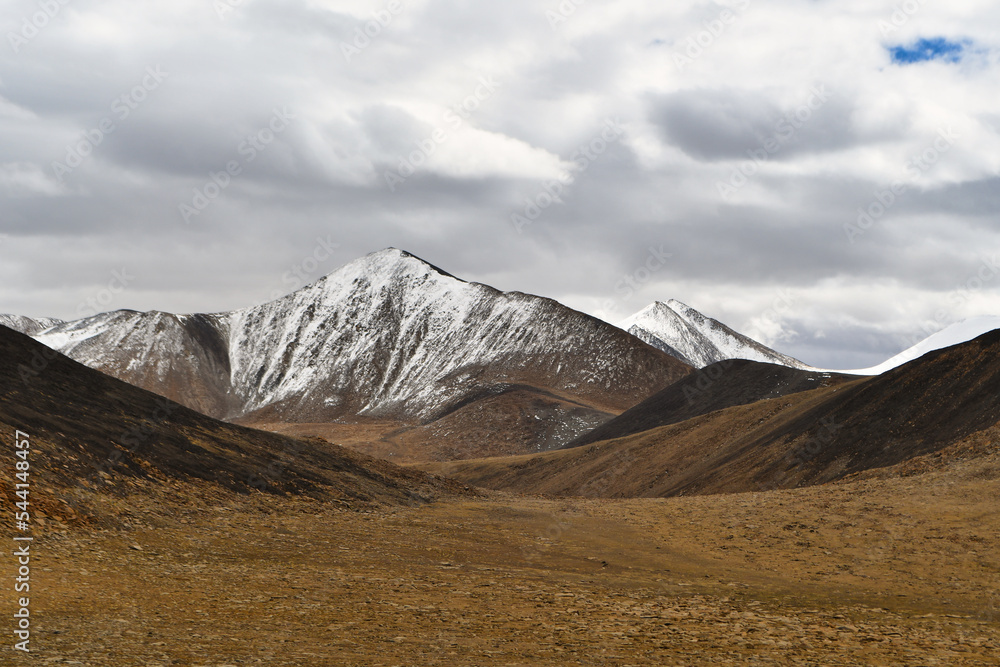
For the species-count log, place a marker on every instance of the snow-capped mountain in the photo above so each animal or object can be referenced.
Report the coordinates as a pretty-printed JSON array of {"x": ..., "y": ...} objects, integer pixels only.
[
  {"x": 386, "y": 336},
  {"x": 954, "y": 334},
  {"x": 688, "y": 335},
  {"x": 182, "y": 357},
  {"x": 28, "y": 325}
]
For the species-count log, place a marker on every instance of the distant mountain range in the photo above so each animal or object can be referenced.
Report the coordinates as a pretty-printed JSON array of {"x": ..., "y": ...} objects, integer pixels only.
[
  {"x": 752, "y": 427},
  {"x": 386, "y": 337},
  {"x": 412, "y": 363}
]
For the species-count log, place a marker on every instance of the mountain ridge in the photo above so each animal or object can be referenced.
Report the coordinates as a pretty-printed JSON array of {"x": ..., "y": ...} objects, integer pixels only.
[
  {"x": 721, "y": 385},
  {"x": 953, "y": 334},
  {"x": 387, "y": 336},
  {"x": 91, "y": 433},
  {"x": 28, "y": 325},
  {"x": 925, "y": 406},
  {"x": 696, "y": 339}
]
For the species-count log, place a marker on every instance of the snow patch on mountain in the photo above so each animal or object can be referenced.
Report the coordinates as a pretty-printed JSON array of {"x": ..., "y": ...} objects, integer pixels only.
[
  {"x": 696, "y": 339},
  {"x": 416, "y": 337},
  {"x": 955, "y": 334},
  {"x": 28, "y": 325}
]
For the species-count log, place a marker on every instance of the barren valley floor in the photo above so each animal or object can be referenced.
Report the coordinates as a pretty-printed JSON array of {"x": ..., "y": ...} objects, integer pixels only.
[{"x": 894, "y": 572}]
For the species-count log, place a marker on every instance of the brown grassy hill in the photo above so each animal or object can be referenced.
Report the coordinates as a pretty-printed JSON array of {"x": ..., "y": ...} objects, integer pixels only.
[
  {"x": 717, "y": 386},
  {"x": 807, "y": 438},
  {"x": 512, "y": 420},
  {"x": 90, "y": 431}
]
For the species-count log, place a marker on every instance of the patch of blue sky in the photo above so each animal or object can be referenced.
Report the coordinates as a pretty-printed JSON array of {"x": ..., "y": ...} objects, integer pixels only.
[{"x": 928, "y": 48}]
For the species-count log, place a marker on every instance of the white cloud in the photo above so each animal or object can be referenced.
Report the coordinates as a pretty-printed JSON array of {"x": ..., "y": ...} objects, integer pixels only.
[{"x": 25, "y": 179}]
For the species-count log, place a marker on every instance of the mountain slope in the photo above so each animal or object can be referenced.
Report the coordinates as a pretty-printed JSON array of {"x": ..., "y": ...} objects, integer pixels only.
[
  {"x": 90, "y": 431},
  {"x": 695, "y": 339},
  {"x": 715, "y": 387},
  {"x": 387, "y": 336},
  {"x": 28, "y": 325},
  {"x": 811, "y": 437},
  {"x": 182, "y": 357},
  {"x": 390, "y": 335},
  {"x": 956, "y": 333}
]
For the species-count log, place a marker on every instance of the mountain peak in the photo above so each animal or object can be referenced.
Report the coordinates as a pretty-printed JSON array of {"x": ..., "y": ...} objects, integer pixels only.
[
  {"x": 389, "y": 269},
  {"x": 387, "y": 336},
  {"x": 660, "y": 308},
  {"x": 396, "y": 259},
  {"x": 668, "y": 308},
  {"x": 683, "y": 309},
  {"x": 696, "y": 339}
]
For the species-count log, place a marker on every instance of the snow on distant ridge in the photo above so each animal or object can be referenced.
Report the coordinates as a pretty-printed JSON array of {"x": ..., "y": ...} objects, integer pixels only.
[
  {"x": 28, "y": 325},
  {"x": 694, "y": 338},
  {"x": 959, "y": 332}
]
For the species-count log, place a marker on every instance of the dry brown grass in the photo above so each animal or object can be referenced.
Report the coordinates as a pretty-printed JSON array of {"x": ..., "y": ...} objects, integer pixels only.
[{"x": 876, "y": 572}]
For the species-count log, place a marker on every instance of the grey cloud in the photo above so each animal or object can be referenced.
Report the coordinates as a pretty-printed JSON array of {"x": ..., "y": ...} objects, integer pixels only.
[
  {"x": 729, "y": 123},
  {"x": 714, "y": 124}
]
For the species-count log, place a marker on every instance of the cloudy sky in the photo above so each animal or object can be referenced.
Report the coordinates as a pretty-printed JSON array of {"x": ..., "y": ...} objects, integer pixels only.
[{"x": 824, "y": 175}]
